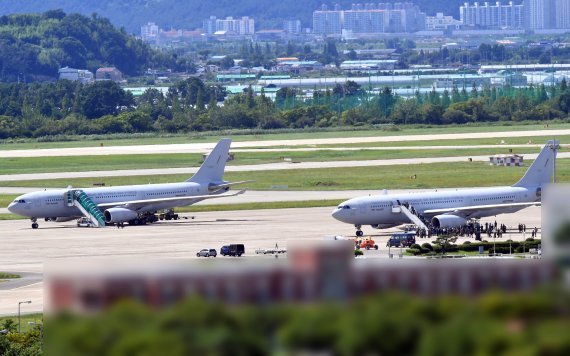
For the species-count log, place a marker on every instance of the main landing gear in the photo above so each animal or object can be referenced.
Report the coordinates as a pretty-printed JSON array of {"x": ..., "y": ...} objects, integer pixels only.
[
  {"x": 359, "y": 232},
  {"x": 34, "y": 223}
]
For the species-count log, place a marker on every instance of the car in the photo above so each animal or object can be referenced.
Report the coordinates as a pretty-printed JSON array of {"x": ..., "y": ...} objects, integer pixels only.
[
  {"x": 203, "y": 253},
  {"x": 213, "y": 252},
  {"x": 84, "y": 222}
]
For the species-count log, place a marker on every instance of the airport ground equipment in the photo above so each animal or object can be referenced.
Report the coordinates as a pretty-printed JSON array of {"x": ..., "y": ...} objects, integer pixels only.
[{"x": 367, "y": 243}]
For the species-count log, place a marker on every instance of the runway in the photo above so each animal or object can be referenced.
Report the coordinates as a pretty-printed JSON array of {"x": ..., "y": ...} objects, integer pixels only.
[
  {"x": 257, "y": 167},
  {"x": 204, "y": 147},
  {"x": 26, "y": 250}
]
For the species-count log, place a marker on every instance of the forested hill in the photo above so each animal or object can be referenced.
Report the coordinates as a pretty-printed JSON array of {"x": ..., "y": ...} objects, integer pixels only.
[
  {"x": 35, "y": 46},
  {"x": 131, "y": 14}
]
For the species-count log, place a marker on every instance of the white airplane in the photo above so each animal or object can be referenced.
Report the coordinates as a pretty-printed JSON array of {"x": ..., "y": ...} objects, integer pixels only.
[
  {"x": 135, "y": 204},
  {"x": 450, "y": 208}
]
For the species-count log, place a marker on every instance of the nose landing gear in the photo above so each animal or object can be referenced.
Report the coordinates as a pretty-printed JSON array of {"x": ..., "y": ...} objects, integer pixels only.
[
  {"x": 359, "y": 232},
  {"x": 34, "y": 223}
]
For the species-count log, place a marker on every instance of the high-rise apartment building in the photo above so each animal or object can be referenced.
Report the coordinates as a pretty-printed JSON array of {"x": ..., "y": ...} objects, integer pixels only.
[
  {"x": 292, "y": 26},
  {"x": 209, "y": 25},
  {"x": 369, "y": 18},
  {"x": 492, "y": 15},
  {"x": 562, "y": 14},
  {"x": 539, "y": 14},
  {"x": 241, "y": 26},
  {"x": 327, "y": 21}
]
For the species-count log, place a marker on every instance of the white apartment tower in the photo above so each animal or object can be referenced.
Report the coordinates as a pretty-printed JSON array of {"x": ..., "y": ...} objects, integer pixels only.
[
  {"x": 562, "y": 14},
  {"x": 492, "y": 15}
]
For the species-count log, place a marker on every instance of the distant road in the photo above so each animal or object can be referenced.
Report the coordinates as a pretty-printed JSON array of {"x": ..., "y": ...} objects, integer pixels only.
[
  {"x": 203, "y": 147},
  {"x": 250, "y": 168}
]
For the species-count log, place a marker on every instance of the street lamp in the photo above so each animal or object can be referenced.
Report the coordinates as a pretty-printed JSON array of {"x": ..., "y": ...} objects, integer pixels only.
[{"x": 19, "y": 304}]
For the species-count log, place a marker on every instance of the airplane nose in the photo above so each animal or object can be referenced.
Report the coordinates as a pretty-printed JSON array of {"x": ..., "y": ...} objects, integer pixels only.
[
  {"x": 12, "y": 207},
  {"x": 337, "y": 214}
]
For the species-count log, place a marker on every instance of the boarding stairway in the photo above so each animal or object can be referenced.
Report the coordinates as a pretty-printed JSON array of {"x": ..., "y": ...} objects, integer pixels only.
[
  {"x": 78, "y": 198},
  {"x": 413, "y": 218}
]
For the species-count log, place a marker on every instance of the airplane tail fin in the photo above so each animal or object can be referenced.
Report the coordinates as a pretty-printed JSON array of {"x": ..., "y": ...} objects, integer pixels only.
[
  {"x": 212, "y": 170},
  {"x": 540, "y": 171}
]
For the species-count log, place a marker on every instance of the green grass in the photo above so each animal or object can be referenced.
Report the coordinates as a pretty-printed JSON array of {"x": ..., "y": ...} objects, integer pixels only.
[
  {"x": 154, "y": 139},
  {"x": 24, "y": 319},
  {"x": 434, "y": 175},
  {"x": 6, "y": 199},
  {"x": 461, "y": 142},
  {"x": 21, "y": 165},
  {"x": 5, "y": 275}
]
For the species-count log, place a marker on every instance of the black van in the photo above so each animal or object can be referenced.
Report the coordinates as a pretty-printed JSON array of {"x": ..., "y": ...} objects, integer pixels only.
[{"x": 236, "y": 250}]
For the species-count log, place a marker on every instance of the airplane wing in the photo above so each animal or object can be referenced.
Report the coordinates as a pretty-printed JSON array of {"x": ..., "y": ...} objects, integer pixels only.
[
  {"x": 468, "y": 210},
  {"x": 135, "y": 204},
  {"x": 229, "y": 184}
]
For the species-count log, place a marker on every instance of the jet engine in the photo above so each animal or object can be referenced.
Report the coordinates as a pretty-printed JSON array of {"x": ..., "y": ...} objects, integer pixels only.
[
  {"x": 444, "y": 221},
  {"x": 117, "y": 215}
]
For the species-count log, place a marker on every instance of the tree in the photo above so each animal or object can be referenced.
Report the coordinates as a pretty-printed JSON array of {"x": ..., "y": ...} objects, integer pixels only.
[{"x": 444, "y": 242}]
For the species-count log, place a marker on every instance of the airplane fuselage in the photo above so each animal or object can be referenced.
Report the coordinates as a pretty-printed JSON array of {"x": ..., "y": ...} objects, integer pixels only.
[
  {"x": 377, "y": 210},
  {"x": 53, "y": 203}
]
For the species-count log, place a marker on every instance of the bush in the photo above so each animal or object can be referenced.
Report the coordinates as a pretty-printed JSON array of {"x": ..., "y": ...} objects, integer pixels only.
[
  {"x": 427, "y": 246},
  {"x": 416, "y": 246},
  {"x": 467, "y": 243},
  {"x": 358, "y": 253},
  {"x": 414, "y": 251}
]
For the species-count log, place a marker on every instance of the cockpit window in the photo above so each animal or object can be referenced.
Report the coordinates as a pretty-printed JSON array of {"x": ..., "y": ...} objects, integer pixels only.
[
  {"x": 343, "y": 207},
  {"x": 347, "y": 206},
  {"x": 19, "y": 201}
]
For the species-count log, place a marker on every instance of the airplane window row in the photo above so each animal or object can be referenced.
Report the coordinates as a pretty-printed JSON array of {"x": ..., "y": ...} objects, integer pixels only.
[
  {"x": 495, "y": 198},
  {"x": 165, "y": 193}
]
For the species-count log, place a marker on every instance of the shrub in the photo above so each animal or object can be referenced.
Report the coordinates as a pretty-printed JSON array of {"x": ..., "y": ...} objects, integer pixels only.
[
  {"x": 427, "y": 246},
  {"x": 358, "y": 252},
  {"x": 414, "y": 251},
  {"x": 416, "y": 246}
]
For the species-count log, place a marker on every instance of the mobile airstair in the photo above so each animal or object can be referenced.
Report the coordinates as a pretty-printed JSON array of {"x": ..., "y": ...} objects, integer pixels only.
[{"x": 78, "y": 198}]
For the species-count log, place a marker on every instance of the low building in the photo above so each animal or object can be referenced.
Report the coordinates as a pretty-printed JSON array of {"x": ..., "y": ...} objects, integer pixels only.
[
  {"x": 109, "y": 73},
  {"x": 235, "y": 77},
  {"x": 82, "y": 75},
  {"x": 440, "y": 22},
  {"x": 506, "y": 160},
  {"x": 371, "y": 64},
  {"x": 270, "y": 35},
  {"x": 299, "y": 66}
]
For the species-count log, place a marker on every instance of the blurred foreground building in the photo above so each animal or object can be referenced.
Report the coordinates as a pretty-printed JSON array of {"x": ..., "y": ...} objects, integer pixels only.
[{"x": 311, "y": 273}]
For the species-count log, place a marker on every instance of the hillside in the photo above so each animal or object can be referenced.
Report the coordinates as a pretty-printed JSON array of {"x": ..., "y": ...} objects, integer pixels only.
[
  {"x": 131, "y": 14},
  {"x": 35, "y": 46}
]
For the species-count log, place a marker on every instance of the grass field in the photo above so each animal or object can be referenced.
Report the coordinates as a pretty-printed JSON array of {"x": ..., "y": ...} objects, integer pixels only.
[
  {"x": 24, "y": 319},
  {"x": 93, "y": 141},
  {"x": 463, "y": 142},
  {"x": 5, "y": 275},
  {"x": 449, "y": 175},
  {"x": 23, "y": 165}
]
